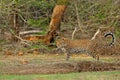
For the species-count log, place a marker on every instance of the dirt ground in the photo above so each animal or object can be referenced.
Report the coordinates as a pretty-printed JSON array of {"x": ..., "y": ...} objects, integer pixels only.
[{"x": 55, "y": 63}]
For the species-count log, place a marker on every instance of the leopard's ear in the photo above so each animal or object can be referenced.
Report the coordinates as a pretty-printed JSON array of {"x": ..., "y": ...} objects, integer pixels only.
[{"x": 63, "y": 38}]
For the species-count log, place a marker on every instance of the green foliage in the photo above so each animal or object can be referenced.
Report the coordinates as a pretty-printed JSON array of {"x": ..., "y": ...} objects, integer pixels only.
[
  {"x": 38, "y": 22},
  {"x": 94, "y": 10},
  {"x": 94, "y": 13},
  {"x": 117, "y": 32},
  {"x": 37, "y": 13},
  {"x": 43, "y": 4},
  {"x": 62, "y": 2},
  {"x": 16, "y": 1},
  {"x": 38, "y": 45}
]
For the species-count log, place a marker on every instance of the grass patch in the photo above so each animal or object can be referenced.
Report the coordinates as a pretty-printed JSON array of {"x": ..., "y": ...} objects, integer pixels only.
[{"x": 106, "y": 75}]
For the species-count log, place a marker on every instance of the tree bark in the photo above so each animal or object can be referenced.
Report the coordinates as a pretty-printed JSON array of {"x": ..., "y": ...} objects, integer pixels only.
[
  {"x": 56, "y": 17},
  {"x": 54, "y": 26}
]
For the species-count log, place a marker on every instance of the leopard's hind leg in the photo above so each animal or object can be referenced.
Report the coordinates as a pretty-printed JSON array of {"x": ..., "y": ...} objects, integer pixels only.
[{"x": 93, "y": 55}]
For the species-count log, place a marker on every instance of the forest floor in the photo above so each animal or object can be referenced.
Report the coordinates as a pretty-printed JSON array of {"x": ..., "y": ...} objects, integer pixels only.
[
  {"x": 55, "y": 63},
  {"x": 17, "y": 59}
]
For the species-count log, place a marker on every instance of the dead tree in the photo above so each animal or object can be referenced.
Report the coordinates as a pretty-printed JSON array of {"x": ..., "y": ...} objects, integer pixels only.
[{"x": 54, "y": 26}]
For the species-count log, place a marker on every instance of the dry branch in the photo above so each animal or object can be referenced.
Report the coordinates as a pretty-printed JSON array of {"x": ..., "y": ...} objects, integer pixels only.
[
  {"x": 77, "y": 14},
  {"x": 22, "y": 40},
  {"x": 74, "y": 33},
  {"x": 98, "y": 31},
  {"x": 29, "y": 32}
]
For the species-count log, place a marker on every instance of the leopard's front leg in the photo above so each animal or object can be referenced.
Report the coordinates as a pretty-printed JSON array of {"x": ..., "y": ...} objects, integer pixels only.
[{"x": 66, "y": 53}]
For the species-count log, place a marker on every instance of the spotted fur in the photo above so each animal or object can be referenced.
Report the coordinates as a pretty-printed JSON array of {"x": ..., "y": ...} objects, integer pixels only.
[{"x": 81, "y": 46}]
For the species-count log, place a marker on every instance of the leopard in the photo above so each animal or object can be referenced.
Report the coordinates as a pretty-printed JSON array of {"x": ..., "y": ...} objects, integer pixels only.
[{"x": 86, "y": 46}]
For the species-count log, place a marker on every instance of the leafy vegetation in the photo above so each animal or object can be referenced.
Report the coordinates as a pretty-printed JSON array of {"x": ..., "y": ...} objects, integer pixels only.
[
  {"x": 94, "y": 14},
  {"x": 38, "y": 12}
]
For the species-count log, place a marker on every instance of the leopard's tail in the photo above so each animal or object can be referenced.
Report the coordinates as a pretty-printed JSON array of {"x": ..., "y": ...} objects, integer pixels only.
[{"x": 113, "y": 38}]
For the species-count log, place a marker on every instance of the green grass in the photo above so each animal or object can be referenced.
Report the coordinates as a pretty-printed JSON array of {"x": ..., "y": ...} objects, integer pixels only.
[{"x": 107, "y": 75}]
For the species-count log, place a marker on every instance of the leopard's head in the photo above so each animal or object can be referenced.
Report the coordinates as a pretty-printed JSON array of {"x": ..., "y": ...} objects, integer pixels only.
[{"x": 61, "y": 42}]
